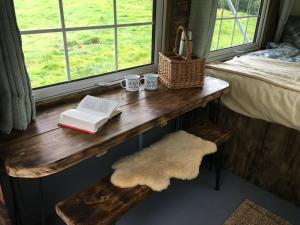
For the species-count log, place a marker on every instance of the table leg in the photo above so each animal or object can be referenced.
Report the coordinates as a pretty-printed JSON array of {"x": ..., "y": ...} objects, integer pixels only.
[
  {"x": 19, "y": 211},
  {"x": 41, "y": 186},
  {"x": 218, "y": 165},
  {"x": 214, "y": 110},
  {"x": 178, "y": 123},
  {"x": 140, "y": 141},
  {"x": 210, "y": 161},
  {"x": 17, "y": 205},
  {"x": 15, "y": 220}
]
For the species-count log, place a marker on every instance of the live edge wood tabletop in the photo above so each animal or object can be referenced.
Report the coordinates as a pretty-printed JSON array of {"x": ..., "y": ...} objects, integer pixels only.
[{"x": 46, "y": 148}]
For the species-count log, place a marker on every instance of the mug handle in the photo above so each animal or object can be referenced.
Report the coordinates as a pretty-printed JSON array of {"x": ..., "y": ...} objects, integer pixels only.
[
  {"x": 122, "y": 83},
  {"x": 142, "y": 79}
]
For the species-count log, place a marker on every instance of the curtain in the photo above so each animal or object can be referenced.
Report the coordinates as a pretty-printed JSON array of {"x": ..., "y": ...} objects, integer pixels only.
[
  {"x": 16, "y": 105},
  {"x": 284, "y": 13},
  {"x": 202, "y": 22}
]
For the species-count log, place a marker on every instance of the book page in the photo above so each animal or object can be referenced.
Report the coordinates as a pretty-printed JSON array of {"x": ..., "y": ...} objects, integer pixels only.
[
  {"x": 116, "y": 112},
  {"x": 98, "y": 105}
]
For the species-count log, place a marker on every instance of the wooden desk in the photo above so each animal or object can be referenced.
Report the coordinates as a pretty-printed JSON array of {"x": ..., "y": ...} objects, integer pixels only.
[{"x": 46, "y": 149}]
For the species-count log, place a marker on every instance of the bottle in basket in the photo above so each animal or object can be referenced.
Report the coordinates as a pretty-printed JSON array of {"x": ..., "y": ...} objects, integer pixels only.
[{"x": 182, "y": 48}]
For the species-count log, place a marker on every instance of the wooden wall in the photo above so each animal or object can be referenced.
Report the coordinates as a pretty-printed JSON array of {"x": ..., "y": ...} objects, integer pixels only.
[
  {"x": 271, "y": 23},
  {"x": 178, "y": 12},
  {"x": 266, "y": 154}
]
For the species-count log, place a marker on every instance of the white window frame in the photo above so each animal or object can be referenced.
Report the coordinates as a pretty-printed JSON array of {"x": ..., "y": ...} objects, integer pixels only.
[
  {"x": 227, "y": 53},
  {"x": 101, "y": 80}
]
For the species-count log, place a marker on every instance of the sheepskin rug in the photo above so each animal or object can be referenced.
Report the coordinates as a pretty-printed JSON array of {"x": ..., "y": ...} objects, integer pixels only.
[{"x": 178, "y": 155}]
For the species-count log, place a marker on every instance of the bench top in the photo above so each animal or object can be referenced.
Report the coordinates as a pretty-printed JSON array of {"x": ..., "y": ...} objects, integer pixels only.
[
  {"x": 46, "y": 149},
  {"x": 210, "y": 132},
  {"x": 100, "y": 204}
]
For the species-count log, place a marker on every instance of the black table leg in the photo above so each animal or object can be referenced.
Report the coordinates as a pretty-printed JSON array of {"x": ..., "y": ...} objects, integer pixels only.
[
  {"x": 214, "y": 110},
  {"x": 18, "y": 202},
  {"x": 16, "y": 215},
  {"x": 42, "y": 201},
  {"x": 218, "y": 165},
  {"x": 210, "y": 162}
]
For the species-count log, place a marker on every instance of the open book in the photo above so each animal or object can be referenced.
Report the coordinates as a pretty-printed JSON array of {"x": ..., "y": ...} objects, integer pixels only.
[{"x": 90, "y": 115}]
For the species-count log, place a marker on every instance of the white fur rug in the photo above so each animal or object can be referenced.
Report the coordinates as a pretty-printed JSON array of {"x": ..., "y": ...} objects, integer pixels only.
[{"x": 178, "y": 155}]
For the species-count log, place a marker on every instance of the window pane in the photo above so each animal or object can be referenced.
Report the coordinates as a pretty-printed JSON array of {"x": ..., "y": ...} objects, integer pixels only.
[
  {"x": 37, "y": 14},
  {"x": 133, "y": 11},
  {"x": 255, "y": 7},
  {"x": 251, "y": 29},
  {"x": 240, "y": 29},
  {"x": 134, "y": 46},
  {"x": 221, "y": 5},
  {"x": 214, "y": 44},
  {"x": 88, "y": 12},
  {"x": 226, "y": 33},
  {"x": 227, "y": 13},
  {"x": 243, "y": 7},
  {"x": 230, "y": 8},
  {"x": 44, "y": 57},
  {"x": 91, "y": 52}
]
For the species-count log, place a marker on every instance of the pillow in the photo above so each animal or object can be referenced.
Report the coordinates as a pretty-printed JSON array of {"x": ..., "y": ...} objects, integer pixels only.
[
  {"x": 292, "y": 31},
  {"x": 280, "y": 45}
]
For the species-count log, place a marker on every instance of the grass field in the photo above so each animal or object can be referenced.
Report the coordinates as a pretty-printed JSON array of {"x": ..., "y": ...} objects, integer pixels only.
[{"x": 92, "y": 52}]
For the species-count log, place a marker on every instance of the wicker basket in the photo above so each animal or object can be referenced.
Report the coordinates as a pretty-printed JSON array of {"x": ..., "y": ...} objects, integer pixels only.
[{"x": 181, "y": 72}]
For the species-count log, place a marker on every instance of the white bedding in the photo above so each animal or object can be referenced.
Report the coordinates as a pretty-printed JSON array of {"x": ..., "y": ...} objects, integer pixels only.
[{"x": 262, "y": 88}]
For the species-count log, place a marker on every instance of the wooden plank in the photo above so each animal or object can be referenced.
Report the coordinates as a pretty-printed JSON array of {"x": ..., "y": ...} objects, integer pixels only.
[
  {"x": 178, "y": 13},
  {"x": 210, "y": 132},
  {"x": 101, "y": 204},
  {"x": 264, "y": 153},
  {"x": 58, "y": 149}
]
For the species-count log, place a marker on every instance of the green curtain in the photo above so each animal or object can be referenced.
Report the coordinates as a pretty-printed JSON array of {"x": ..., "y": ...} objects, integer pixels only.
[
  {"x": 284, "y": 14},
  {"x": 202, "y": 21},
  {"x": 17, "y": 107}
]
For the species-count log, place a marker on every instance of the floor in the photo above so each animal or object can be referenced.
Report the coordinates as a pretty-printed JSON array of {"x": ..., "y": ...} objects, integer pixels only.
[{"x": 197, "y": 203}]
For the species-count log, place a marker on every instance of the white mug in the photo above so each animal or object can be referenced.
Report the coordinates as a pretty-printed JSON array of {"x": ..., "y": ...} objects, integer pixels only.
[
  {"x": 132, "y": 82},
  {"x": 150, "y": 81}
]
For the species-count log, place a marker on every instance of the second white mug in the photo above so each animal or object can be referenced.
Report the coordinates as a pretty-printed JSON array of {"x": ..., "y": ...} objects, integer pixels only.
[
  {"x": 132, "y": 82},
  {"x": 150, "y": 81}
]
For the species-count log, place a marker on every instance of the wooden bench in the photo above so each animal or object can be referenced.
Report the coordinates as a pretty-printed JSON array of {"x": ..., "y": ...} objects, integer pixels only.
[{"x": 103, "y": 203}]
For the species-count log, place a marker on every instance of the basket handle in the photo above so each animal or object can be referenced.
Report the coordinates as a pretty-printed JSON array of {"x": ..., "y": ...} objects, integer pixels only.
[{"x": 188, "y": 54}]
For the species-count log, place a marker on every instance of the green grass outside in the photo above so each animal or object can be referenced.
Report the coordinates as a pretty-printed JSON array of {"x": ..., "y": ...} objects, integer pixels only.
[{"x": 92, "y": 52}]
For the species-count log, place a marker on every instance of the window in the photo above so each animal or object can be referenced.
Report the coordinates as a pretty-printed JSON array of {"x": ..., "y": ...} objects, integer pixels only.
[
  {"x": 68, "y": 40},
  {"x": 237, "y": 26}
]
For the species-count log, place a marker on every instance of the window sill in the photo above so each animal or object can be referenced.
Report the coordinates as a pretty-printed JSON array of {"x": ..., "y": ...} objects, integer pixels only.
[
  {"x": 75, "y": 87},
  {"x": 229, "y": 53}
]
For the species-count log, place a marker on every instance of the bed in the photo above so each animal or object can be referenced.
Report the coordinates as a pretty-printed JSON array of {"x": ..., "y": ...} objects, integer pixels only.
[
  {"x": 263, "y": 87},
  {"x": 266, "y": 84},
  {"x": 263, "y": 109}
]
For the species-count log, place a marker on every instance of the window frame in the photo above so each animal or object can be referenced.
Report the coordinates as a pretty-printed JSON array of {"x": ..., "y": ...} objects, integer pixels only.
[
  {"x": 100, "y": 80},
  {"x": 226, "y": 53}
]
